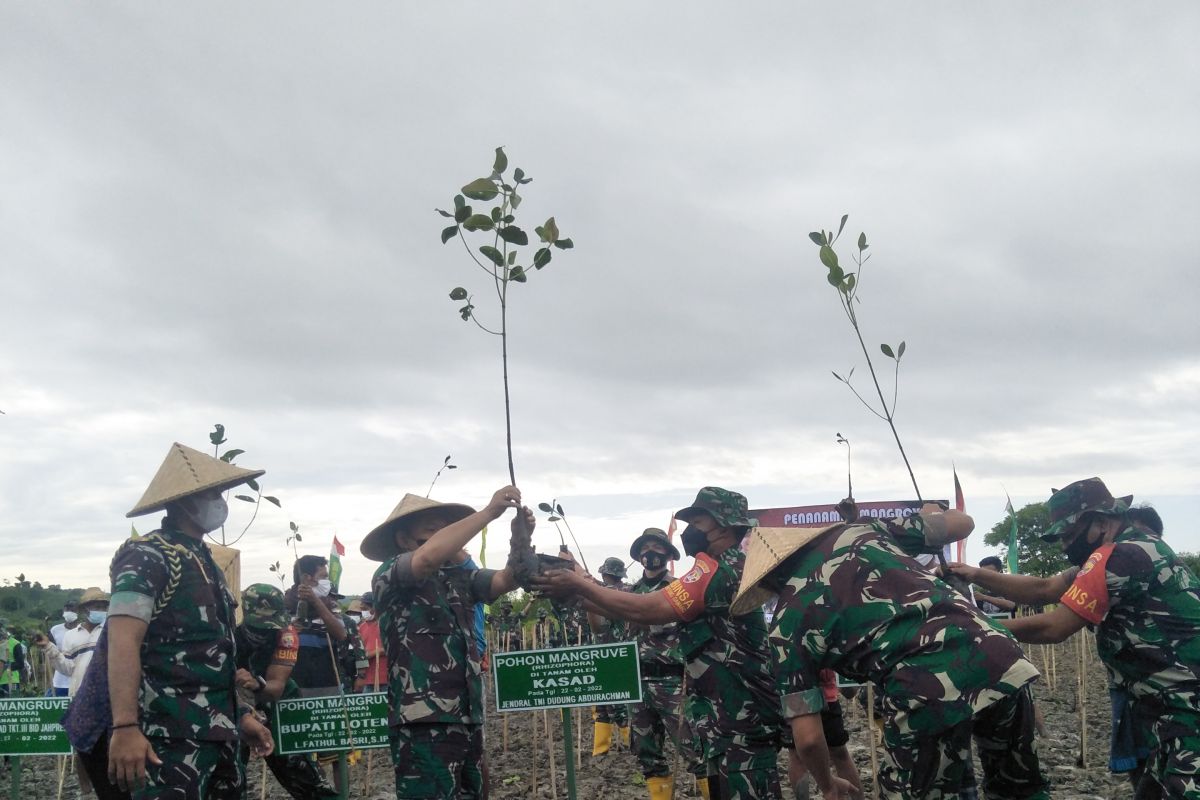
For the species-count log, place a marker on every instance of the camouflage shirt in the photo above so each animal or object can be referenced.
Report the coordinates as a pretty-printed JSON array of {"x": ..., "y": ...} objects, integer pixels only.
[
  {"x": 428, "y": 631},
  {"x": 1145, "y": 604},
  {"x": 857, "y": 604},
  {"x": 732, "y": 703},
  {"x": 188, "y": 659},
  {"x": 657, "y": 644},
  {"x": 261, "y": 648}
]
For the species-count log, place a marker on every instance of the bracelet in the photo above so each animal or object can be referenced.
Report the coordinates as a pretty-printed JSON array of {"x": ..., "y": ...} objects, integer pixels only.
[{"x": 126, "y": 725}]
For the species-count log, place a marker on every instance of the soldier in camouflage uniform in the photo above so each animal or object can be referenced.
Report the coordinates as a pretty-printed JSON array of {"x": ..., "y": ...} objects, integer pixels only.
[
  {"x": 1145, "y": 606},
  {"x": 732, "y": 704},
  {"x": 660, "y": 713},
  {"x": 267, "y": 649},
  {"x": 611, "y": 718},
  {"x": 854, "y": 600},
  {"x": 427, "y": 622},
  {"x": 171, "y": 658}
]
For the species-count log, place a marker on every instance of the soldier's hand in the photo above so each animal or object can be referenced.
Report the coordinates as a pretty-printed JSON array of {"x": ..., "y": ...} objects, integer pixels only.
[
  {"x": 257, "y": 735},
  {"x": 502, "y": 500},
  {"x": 960, "y": 570},
  {"x": 558, "y": 583},
  {"x": 128, "y": 752},
  {"x": 245, "y": 680},
  {"x": 306, "y": 594}
]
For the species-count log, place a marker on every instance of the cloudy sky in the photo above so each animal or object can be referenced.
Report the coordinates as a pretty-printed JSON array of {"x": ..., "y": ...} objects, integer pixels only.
[{"x": 225, "y": 214}]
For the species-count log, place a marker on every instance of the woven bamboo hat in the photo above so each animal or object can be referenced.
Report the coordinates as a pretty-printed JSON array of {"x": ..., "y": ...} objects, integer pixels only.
[
  {"x": 766, "y": 549},
  {"x": 380, "y": 544},
  {"x": 93, "y": 594},
  {"x": 186, "y": 471}
]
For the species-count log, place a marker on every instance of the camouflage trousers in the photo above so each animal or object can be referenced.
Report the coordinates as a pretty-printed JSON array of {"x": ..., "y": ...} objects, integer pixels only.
[
  {"x": 193, "y": 770},
  {"x": 617, "y": 715},
  {"x": 299, "y": 774},
  {"x": 917, "y": 764},
  {"x": 656, "y": 717},
  {"x": 744, "y": 773},
  {"x": 438, "y": 761},
  {"x": 1174, "y": 768}
]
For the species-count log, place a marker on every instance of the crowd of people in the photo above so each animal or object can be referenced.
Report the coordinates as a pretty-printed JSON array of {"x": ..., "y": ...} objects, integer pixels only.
[{"x": 170, "y": 695}]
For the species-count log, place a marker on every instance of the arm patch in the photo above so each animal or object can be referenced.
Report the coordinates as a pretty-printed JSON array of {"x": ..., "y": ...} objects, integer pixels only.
[
  {"x": 1088, "y": 595},
  {"x": 686, "y": 593}
]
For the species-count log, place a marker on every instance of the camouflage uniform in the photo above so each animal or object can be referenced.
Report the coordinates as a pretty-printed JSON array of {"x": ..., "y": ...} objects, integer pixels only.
[
  {"x": 351, "y": 655},
  {"x": 434, "y": 677},
  {"x": 660, "y": 712},
  {"x": 732, "y": 704},
  {"x": 615, "y": 632},
  {"x": 265, "y": 639},
  {"x": 856, "y": 603},
  {"x": 189, "y": 708},
  {"x": 1145, "y": 604}
]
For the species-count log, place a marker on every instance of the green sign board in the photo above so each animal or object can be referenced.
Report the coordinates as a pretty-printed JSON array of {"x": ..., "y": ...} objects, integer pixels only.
[
  {"x": 30, "y": 726},
  {"x": 599, "y": 674},
  {"x": 350, "y": 722}
]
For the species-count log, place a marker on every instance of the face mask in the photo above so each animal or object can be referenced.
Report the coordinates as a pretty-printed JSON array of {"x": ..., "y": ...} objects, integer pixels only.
[
  {"x": 366, "y": 615},
  {"x": 694, "y": 540},
  {"x": 97, "y": 617},
  {"x": 653, "y": 561},
  {"x": 256, "y": 637},
  {"x": 323, "y": 588},
  {"x": 1079, "y": 549},
  {"x": 207, "y": 515},
  {"x": 355, "y": 618},
  {"x": 70, "y": 616}
]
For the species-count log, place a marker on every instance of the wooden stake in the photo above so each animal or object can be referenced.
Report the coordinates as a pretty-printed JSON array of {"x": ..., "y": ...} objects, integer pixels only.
[
  {"x": 534, "y": 734},
  {"x": 262, "y": 793},
  {"x": 871, "y": 740},
  {"x": 1082, "y": 683}
]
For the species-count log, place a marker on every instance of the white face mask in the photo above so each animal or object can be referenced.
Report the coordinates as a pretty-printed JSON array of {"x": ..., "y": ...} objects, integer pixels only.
[
  {"x": 70, "y": 616},
  {"x": 323, "y": 588},
  {"x": 366, "y": 615},
  {"x": 209, "y": 514}
]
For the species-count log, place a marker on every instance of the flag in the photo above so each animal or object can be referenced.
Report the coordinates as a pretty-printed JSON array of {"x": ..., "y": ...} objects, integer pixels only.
[
  {"x": 959, "y": 505},
  {"x": 335, "y": 562},
  {"x": 1013, "y": 567}
]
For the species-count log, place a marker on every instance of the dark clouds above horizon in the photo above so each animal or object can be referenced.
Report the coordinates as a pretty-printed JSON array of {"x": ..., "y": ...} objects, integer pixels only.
[{"x": 225, "y": 214}]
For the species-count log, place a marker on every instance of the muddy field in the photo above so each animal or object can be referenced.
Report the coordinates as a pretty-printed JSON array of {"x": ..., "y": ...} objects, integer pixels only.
[{"x": 515, "y": 768}]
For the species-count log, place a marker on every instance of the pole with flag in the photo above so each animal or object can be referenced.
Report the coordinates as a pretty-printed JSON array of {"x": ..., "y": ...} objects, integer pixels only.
[
  {"x": 335, "y": 562},
  {"x": 1013, "y": 566},
  {"x": 960, "y": 504}
]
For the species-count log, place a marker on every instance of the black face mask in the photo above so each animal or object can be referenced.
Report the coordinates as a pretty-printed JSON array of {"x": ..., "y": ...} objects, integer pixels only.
[
  {"x": 255, "y": 636},
  {"x": 653, "y": 561},
  {"x": 1079, "y": 549},
  {"x": 694, "y": 540}
]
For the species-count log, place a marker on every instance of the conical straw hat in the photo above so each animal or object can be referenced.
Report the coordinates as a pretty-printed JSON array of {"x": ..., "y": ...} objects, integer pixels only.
[
  {"x": 767, "y": 549},
  {"x": 380, "y": 544},
  {"x": 186, "y": 471}
]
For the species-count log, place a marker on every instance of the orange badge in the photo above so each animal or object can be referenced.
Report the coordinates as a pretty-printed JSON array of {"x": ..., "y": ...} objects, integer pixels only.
[
  {"x": 686, "y": 594},
  {"x": 1088, "y": 595}
]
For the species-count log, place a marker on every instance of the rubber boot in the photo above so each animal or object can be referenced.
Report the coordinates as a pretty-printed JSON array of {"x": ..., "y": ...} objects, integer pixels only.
[
  {"x": 602, "y": 735},
  {"x": 625, "y": 734},
  {"x": 660, "y": 788},
  {"x": 702, "y": 785}
]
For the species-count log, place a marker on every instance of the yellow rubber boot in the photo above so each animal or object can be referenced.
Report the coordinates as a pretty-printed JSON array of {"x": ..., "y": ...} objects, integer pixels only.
[
  {"x": 602, "y": 735},
  {"x": 625, "y": 736},
  {"x": 660, "y": 788},
  {"x": 702, "y": 785}
]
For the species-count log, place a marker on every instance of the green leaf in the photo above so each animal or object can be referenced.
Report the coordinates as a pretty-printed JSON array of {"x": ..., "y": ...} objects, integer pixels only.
[
  {"x": 519, "y": 175},
  {"x": 481, "y": 189},
  {"x": 508, "y": 219},
  {"x": 253, "y": 484},
  {"x": 512, "y": 258},
  {"x": 273, "y": 500},
  {"x": 444, "y": 213},
  {"x": 449, "y": 233},
  {"x": 842, "y": 225},
  {"x": 514, "y": 200},
  {"x": 501, "y": 162},
  {"x": 465, "y": 311},
  {"x": 459, "y": 202},
  {"x": 293, "y": 526},
  {"x": 887, "y": 350},
  {"x": 545, "y": 507},
  {"x": 462, "y": 213},
  {"x": 299, "y": 538},
  {"x": 541, "y": 258},
  {"x": 243, "y": 498},
  {"x": 513, "y": 235},
  {"x": 493, "y": 255},
  {"x": 835, "y": 277},
  {"x": 478, "y": 222},
  {"x": 218, "y": 434},
  {"x": 517, "y": 274},
  {"x": 564, "y": 244},
  {"x": 458, "y": 293},
  {"x": 549, "y": 231},
  {"x": 495, "y": 213},
  {"x": 862, "y": 241},
  {"x": 829, "y": 258},
  {"x": 818, "y": 238},
  {"x": 229, "y": 455},
  {"x": 900, "y": 351},
  {"x": 839, "y": 377},
  {"x": 850, "y": 283}
]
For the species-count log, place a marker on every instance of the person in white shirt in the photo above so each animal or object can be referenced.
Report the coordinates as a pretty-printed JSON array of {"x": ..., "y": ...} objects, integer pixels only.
[{"x": 60, "y": 682}]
